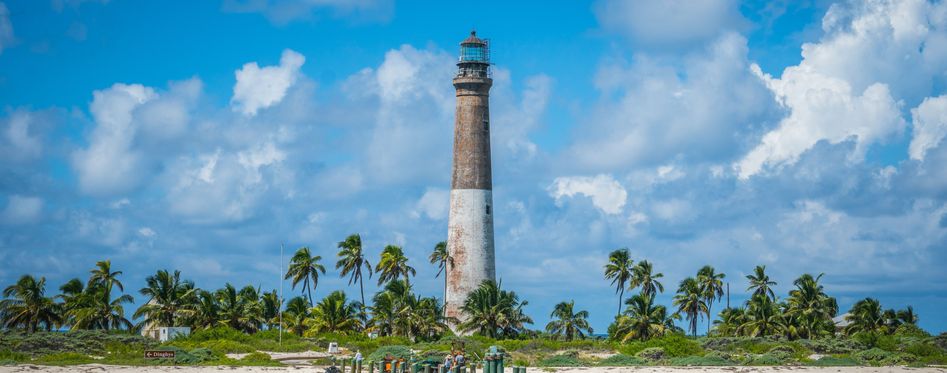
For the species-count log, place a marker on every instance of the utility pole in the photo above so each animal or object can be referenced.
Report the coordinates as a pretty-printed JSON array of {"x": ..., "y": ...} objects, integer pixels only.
[
  {"x": 728, "y": 295},
  {"x": 280, "y": 305}
]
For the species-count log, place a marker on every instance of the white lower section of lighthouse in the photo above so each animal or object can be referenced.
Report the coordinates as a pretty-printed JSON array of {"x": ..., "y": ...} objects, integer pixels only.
[{"x": 470, "y": 243}]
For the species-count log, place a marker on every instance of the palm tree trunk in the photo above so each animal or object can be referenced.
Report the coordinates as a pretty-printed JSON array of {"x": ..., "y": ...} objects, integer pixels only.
[
  {"x": 361, "y": 287},
  {"x": 621, "y": 296},
  {"x": 309, "y": 292},
  {"x": 710, "y": 306}
]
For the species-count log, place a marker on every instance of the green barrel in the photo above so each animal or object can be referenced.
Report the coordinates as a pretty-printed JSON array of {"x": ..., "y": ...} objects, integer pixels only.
[
  {"x": 427, "y": 368},
  {"x": 499, "y": 362}
]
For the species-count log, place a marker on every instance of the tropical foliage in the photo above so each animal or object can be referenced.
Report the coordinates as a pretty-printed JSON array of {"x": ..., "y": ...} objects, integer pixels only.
[{"x": 567, "y": 323}]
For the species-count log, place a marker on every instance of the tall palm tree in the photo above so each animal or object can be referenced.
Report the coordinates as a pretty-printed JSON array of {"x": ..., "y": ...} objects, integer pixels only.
[
  {"x": 643, "y": 320},
  {"x": 711, "y": 286},
  {"x": 444, "y": 261},
  {"x": 170, "y": 299},
  {"x": 690, "y": 301},
  {"x": 762, "y": 317},
  {"x": 26, "y": 305},
  {"x": 393, "y": 265},
  {"x": 252, "y": 304},
  {"x": 231, "y": 308},
  {"x": 333, "y": 314},
  {"x": 305, "y": 267},
  {"x": 71, "y": 294},
  {"x": 95, "y": 310},
  {"x": 295, "y": 316},
  {"x": 493, "y": 312},
  {"x": 760, "y": 282},
  {"x": 865, "y": 316},
  {"x": 351, "y": 262},
  {"x": 271, "y": 305},
  {"x": 429, "y": 319},
  {"x": 644, "y": 277},
  {"x": 567, "y": 323},
  {"x": 809, "y": 310},
  {"x": 619, "y": 269},
  {"x": 908, "y": 316},
  {"x": 206, "y": 310},
  {"x": 102, "y": 274}
]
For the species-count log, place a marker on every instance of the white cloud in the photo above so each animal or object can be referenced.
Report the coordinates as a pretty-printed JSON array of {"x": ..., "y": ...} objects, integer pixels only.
[
  {"x": 110, "y": 164},
  {"x": 434, "y": 203},
  {"x": 606, "y": 193},
  {"x": 282, "y": 12},
  {"x": 259, "y": 88},
  {"x": 669, "y": 23},
  {"x": 6, "y": 27},
  {"x": 930, "y": 126},
  {"x": 850, "y": 85},
  {"x": 21, "y": 210},
  {"x": 700, "y": 111},
  {"x": 20, "y": 144},
  {"x": 147, "y": 232}
]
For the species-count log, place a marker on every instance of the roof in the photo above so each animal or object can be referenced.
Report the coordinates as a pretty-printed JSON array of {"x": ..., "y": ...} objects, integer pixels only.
[
  {"x": 841, "y": 321},
  {"x": 473, "y": 39}
]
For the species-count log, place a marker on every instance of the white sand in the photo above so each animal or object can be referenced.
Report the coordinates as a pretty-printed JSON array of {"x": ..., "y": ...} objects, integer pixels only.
[{"x": 92, "y": 368}]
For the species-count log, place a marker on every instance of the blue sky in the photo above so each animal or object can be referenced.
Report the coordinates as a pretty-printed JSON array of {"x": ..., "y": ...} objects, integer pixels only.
[{"x": 805, "y": 136}]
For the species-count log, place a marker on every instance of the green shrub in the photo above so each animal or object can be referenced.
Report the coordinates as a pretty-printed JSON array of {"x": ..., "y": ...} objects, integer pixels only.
[
  {"x": 257, "y": 357},
  {"x": 13, "y": 357},
  {"x": 397, "y": 351},
  {"x": 833, "y": 345},
  {"x": 566, "y": 360},
  {"x": 219, "y": 333},
  {"x": 879, "y": 357},
  {"x": 64, "y": 358},
  {"x": 651, "y": 354},
  {"x": 923, "y": 349},
  {"x": 911, "y": 330},
  {"x": 833, "y": 361},
  {"x": 699, "y": 361},
  {"x": 674, "y": 345},
  {"x": 622, "y": 360}
]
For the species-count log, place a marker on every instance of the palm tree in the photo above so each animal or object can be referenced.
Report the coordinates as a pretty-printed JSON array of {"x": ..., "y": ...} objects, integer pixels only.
[
  {"x": 206, "y": 310},
  {"x": 568, "y": 323},
  {"x": 429, "y": 319},
  {"x": 252, "y": 305},
  {"x": 295, "y": 316},
  {"x": 493, "y": 312},
  {"x": 71, "y": 295},
  {"x": 351, "y": 261},
  {"x": 809, "y": 310},
  {"x": 711, "y": 286},
  {"x": 102, "y": 274},
  {"x": 762, "y": 317},
  {"x": 26, "y": 305},
  {"x": 729, "y": 322},
  {"x": 442, "y": 258},
  {"x": 231, "y": 308},
  {"x": 333, "y": 314},
  {"x": 169, "y": 299},
  {"x": 760, "y": 282},
  {"x": 619, "y": 269},
  {"x": 391, "y": 309},
  {"x": 908, "y": 316},
  {"x": 271, "y": 305},
  {"x": 304, "y": 267},
  {"x": 393, "y": 265},
  {"x": 644, "y": 278},
  {"x": 642, "y": 320},
  {"x": 95, "y": 310},
  {"x": 690, "y": 301},
  {"x": 865, "y": 316}
]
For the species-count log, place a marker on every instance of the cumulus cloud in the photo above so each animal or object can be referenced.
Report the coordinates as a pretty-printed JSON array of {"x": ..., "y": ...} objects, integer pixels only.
[
  {"x": 850, "y": 84},
  {"x": 6, "y": 27},
  {"x": 20, "y": 142},
  {"x": 700, "y": 111},
  {"x": 665, "y": 24},
  {"x": 21, "y": 210},
  {"x": 110, "y": 163},
  {"x": 930, "y": 126},
  {"x": 259, "y": 88},
  {"x": 606, "y": 193},
  {"x": 433, "y": 204}
]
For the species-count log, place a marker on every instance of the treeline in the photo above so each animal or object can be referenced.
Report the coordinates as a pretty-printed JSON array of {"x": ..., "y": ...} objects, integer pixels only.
[
  {"x": 806, "y": 313},
  {"x": 395, "y": 310}
]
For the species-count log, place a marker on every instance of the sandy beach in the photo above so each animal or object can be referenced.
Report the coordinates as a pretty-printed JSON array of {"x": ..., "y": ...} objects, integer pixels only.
[{"x": 90, "y": 368}]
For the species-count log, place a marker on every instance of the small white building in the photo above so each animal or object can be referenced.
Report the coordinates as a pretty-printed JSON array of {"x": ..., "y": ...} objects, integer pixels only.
[{"x": 166, "y": 333}]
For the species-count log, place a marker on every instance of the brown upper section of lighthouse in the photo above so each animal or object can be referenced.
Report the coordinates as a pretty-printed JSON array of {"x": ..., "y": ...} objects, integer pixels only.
[{"x": 472, "y": 133}]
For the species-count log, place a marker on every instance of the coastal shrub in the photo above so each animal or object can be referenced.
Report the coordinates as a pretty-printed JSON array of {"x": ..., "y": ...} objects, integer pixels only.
[
  {"x": 923, "y": 349},
  {"x": 879, "y": 357},
  {"x": 219, "y": 333},
  {"x": 258, "y": 357},
  {"x": 14, "y": 357},
  {"x": 940, "y": 341},
  {"x": 699, "y": 361},
  {"x": 397, "y": 351},
  {"x": 776, "y": 356},
  {"x": 64, "y": 358},
  {"x": 622, "y": 360},
  {"x": 565, "y": 360},
  {"x": 911, "y": 330},
  {"x": 651, "y": 354},
  {"x": 833, "y": 361},
  {"x": 832, "y": 345},
  {"x": 223, "y": 346},
  {"x": 81, "y": 341},
  {"x": 674, "y": 345}
]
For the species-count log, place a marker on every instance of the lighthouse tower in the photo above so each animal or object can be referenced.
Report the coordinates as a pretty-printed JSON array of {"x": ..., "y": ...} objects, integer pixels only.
[{"x": 470, "y": 225}]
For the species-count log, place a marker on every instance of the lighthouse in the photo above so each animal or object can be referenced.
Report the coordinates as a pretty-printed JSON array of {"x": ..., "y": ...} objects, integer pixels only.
[{"x": 470, "y": 224}]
